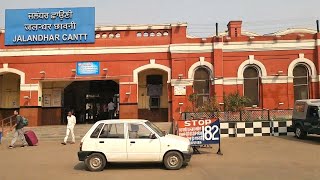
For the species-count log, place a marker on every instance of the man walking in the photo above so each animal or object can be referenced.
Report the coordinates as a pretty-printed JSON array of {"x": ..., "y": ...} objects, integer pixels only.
[
  {"x": 111, "y": 107},
  {"x": 70, "y": 126},
  {"x": 18, "y": 133}
]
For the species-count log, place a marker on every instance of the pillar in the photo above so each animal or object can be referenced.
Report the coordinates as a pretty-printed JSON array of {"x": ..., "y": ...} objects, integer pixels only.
[{"x": 128, "y": 101}]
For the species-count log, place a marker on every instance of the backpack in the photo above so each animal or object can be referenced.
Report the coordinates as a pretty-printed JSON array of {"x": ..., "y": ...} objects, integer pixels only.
[{"x": 25, "y": 121}]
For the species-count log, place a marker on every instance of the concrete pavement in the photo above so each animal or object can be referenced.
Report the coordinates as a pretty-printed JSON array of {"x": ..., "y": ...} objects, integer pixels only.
[{"x": 253, "y": 158}]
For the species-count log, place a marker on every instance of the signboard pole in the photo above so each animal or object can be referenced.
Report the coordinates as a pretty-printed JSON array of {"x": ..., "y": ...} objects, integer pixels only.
[{"x": 219, "y": 152}]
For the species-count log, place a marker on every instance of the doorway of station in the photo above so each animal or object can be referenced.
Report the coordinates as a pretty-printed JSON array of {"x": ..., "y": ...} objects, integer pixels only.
[
  {"x": 91, "y": 101},
  {"x": 9, "y": 94}
]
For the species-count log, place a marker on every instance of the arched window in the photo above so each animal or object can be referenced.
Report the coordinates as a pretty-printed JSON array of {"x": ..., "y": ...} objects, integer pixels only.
[
  {"x": 251, "y": 85},
  {"x": 301, "y": 82},
  {"x": 201, "y": 85}
]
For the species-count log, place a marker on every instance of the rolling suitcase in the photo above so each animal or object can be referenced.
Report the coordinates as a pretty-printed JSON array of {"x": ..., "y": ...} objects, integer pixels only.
[{"x": 31, "y": 138}]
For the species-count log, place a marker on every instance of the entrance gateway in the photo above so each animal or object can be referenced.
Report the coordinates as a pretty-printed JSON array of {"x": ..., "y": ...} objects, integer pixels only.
[{"x": 88, "y": 100}]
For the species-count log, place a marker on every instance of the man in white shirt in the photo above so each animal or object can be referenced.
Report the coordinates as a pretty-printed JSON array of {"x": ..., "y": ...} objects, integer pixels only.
[
  {"x": 111, "y": 107},
  {"x": 70, "y": 126}
]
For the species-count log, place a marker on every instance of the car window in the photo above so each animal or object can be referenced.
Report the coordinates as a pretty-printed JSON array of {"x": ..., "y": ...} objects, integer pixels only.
[
  {"x": 138, "y": 131},
  {"x": 155, "y": 128},
  {"x": 96, "y": 132},
  {"x": 313, "y": 112},
  {"x": 112, "y": 131}
]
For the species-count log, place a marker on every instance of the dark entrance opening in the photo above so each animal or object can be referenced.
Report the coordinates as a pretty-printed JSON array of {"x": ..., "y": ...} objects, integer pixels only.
[{"x": 91, "y": 101}]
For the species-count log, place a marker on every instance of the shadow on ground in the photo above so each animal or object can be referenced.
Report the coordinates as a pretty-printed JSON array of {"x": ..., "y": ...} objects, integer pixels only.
[
  {"x": 125, "y": 166},
  {"x": 310, "y": 139}
]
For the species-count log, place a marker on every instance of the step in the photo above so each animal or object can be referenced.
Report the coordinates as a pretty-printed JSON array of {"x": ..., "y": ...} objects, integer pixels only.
[{"x": 57, "y": 132}]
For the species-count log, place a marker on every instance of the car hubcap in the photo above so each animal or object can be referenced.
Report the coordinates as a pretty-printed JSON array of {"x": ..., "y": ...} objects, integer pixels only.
[
  {"x": 298, "y": 132},
  {"x": 95, "y": 162},
  {"x": 173, "y": 161}
]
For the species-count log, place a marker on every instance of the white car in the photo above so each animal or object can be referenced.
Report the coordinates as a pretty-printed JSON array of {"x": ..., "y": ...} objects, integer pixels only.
[{"x": 132, "y": 140}]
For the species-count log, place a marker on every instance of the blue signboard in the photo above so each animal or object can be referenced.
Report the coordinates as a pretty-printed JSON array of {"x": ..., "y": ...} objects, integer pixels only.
[
  {"x": 200, "y": 132},
  {"x": 88, "y": 68},
  {"x": 50, "y": 26}
]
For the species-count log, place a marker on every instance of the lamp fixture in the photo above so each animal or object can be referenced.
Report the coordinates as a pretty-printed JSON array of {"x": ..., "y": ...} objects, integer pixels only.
[
  {"x": 73, "y": 70},
  {"x": 203, "y": 39},
  {"x": 251, "y": 37},
  {"x": 180, "y": 105},
  {"x": 43, "y": 74},
  {"x": 105, "y": 71},
  {"x": 228, "y": 38},
  {"x": 180, "y": 76},
  {"x": 281, "y": 103},
  {"x": 26, "y": 97},
  {"x": 279, "y": 73}
]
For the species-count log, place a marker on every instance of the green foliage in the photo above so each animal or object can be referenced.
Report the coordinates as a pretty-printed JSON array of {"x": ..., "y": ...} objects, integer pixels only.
[
  {"x": 234, "y": 102},
  {"x": 193, "y": 99},
  {"x": 209, "y": 106}
]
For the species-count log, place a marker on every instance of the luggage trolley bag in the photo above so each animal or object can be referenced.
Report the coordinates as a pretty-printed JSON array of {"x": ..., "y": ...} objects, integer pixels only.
[{"x": 31, "y": 138}]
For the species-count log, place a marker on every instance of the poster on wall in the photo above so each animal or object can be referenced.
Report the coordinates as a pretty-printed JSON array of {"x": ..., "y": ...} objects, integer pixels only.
[
  {"x": 88, "y": 68},
  {"x": 200, "y": 132},
  {"x": 50, "y": 26},
  {"x": 180, "y": 90},
  {"x": 46, "y": 100},
  {"x": 56, "y": 98}
]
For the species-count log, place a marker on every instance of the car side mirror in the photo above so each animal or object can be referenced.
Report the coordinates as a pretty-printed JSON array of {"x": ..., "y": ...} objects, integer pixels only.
[{"x": 153, "y": 136}]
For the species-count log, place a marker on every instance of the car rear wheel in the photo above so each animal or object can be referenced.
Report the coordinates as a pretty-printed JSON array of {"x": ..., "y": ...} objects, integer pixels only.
[
  {"x": 300, "y": 133},
  {"x": 173, "y": 160},
  {"x": 95, "y": 162}
]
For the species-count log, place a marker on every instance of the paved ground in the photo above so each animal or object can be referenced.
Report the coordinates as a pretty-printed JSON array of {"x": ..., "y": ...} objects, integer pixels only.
[{"x": 244, "y": 158}]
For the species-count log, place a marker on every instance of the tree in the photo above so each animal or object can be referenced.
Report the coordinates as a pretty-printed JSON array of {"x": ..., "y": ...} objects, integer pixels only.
[
  {"x": 193, "y": 99},
  {"x": 234, "y": 102},
  {"x": 210, "y": 106}
]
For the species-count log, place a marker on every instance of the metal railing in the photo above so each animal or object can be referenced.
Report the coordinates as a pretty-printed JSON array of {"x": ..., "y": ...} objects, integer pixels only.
[
  {"x": 6, "y": 124},
  {"x": 245, "y": 115}
]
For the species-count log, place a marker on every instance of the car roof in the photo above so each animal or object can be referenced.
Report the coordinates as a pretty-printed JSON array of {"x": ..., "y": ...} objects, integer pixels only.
[
  {"x": 315, "y": 102},
  {"x": 122, "y": 121}
]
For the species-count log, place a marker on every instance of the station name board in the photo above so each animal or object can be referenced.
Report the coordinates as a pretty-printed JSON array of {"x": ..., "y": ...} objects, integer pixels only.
[{"x": 49, "y": 26}]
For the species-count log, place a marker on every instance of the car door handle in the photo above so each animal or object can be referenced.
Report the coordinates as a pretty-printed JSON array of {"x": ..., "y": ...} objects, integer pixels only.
[
  {"x": 132, "y": 142},
  {"x": 101, "y": 141}
]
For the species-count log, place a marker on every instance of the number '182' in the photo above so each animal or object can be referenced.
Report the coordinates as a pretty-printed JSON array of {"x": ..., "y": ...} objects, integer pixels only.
[{"x": 209, "y": 133}]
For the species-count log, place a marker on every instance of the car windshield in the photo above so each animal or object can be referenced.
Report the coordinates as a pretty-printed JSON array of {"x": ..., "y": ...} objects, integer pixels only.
[{"x": 155, "y": 128}]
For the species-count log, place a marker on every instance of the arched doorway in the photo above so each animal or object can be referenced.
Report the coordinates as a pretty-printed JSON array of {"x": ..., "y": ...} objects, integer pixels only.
[
  {"x": 89, "y": 100},
  {"x": 201, "y": 85},
  {"x": 251, "y": 85},
  {"x": 9, "y": 93},
  {"x": 301, "y": 82},
  {"x": 153, "y": 95}
]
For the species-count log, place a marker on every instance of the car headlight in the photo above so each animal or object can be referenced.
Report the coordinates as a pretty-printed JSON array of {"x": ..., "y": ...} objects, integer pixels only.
[{"x": 189, "y": 148}]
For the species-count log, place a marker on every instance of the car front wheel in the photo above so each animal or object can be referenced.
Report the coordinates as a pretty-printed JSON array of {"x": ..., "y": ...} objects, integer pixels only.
[
  {"x": 300, "y": 133},
  {"x": 95, "y": 162},
  {"x": 173, "y": 160}
]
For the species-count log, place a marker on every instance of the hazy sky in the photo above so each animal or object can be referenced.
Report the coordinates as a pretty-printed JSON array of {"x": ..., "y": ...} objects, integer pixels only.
[{"x": 201, "y": 15}]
